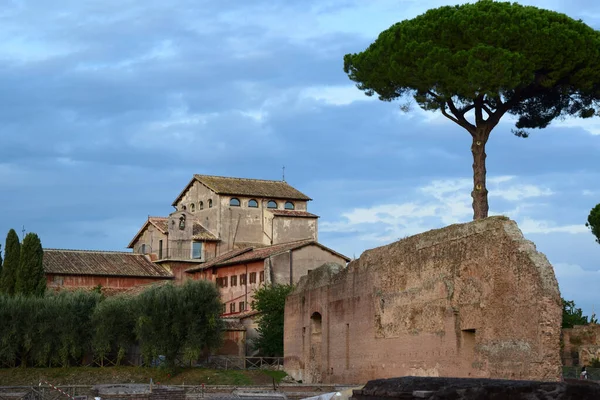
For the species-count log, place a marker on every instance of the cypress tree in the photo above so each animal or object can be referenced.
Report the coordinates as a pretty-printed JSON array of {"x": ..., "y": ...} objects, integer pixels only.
[
  {"x": 31, "y": 279},
  {"x": 12, "y": 255}
]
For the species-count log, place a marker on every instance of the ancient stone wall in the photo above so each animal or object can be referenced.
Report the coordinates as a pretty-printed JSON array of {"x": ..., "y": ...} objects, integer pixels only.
[
  {"x": 468, "y": 300},
  {"x": 581, "y": 344}
]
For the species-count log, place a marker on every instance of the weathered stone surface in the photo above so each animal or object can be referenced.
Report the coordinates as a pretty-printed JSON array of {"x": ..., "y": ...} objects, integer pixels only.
[
  {"x": 475, "y": 389},
  {"x": 581, "y": 344},
  {"x": 468, "y": 300}
]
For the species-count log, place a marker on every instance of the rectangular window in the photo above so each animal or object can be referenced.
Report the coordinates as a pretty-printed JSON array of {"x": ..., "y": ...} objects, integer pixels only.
[
  {"x": 234, "y": 280},
  {"x": 232, "y": 307},
  {"x": 196, "y": 250},
  {"x": 224, "y": 281},
  {"x": 252, "y": 277},
  {"x": 160, "y": 250},
  {"x": 242, "y": 306},
  {"x": 224, "y": 309},
  {"x": 219, "y": 282},
  {"x": 242, "y": 279},
  {"x": 262, "y": 276}
]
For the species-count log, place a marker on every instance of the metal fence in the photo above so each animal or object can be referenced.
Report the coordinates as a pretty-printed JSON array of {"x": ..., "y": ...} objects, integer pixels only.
[
  {"x": 574, "y": 373},
  {"x": 46, "y": 392}
]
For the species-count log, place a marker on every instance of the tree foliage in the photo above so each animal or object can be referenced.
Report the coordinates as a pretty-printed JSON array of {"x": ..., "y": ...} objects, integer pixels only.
[
  {"x": 62, "y": 329},
  {"x": 593, "y": 222},
  {"x": 269, "y": 301},
  {"x": 477, "y": 62},
  {"x": 573, "y": 315},
  {"x": 12, "y": 255},
  {"x": 179, "y": 319},
  {"x": 31, "y": 278}
]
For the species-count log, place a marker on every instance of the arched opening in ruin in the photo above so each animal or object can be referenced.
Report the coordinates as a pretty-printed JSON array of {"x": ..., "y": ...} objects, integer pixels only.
[
  {"x": 316, "y": 323},
  {"x": 314, "y": 358}
]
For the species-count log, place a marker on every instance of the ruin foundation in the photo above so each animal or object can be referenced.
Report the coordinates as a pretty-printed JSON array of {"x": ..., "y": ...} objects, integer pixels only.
[{"x": 468, "y": 300}]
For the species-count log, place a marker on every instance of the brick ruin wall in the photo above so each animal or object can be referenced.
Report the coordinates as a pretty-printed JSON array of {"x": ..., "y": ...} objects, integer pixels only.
[
  {"x": 468, "y": 300},
  {"x": 581, "y": 344}
]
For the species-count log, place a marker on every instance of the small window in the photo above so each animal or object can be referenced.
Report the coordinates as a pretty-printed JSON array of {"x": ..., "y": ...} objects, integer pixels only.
[
  {"x": 234, "y": 280},
  {"x": 272, "y": 204},
  {"x": 234, "y": 202},
  {"x": 253, "y": 203},
  {"x": 209, "y": 203},
  {"x": 160, "y": 249},
  {"x": 197, "y": 250},
  {"x": 219, "y": 282},
  {"x": 242, "y": 279},
  {"x": 224, "y": 309},
  {"x": 224, "y": 281},
  {"x": 192, "y": 207},
  {"x": 143, "y": 248},
  {"x": 289, "y": 205},
  {"x": 252, "y": 277},
  {"x": 261, "y": 276},
  {"x": 242, "y": 306},
  {"x": 201, "y": 204},
  {"x": 232, "y": 307}
]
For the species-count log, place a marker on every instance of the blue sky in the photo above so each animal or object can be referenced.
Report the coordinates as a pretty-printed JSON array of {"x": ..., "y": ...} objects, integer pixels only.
[{"x": 108, "y": 108}]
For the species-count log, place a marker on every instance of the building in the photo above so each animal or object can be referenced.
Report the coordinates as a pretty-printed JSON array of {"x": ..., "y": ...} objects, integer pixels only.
[
  {"x": 113, "y": 271},
  {"x": 239, "y": 233},
  {"x": 468, "y": 300}
]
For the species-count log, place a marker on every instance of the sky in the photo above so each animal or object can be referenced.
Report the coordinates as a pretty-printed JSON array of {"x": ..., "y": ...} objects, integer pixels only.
[{"x": 109, "y": 107}]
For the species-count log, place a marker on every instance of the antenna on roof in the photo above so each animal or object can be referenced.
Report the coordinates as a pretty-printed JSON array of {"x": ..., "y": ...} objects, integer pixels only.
[{"x": 283, "y": 173}]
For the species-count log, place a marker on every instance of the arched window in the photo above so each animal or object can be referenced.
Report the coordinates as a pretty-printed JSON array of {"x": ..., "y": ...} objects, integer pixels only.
[
  {"x": 253, "y": 203},
  {"x": 202, "y": 205},
  {"x": 192, "y": 207},
  {"x": 272, "y": 204},
  {"x": 143, "y": 248},
  {"x": 209, "y": 203},
  {"x": 234, "y": 202},
  {"x": 289, "y": 205}
]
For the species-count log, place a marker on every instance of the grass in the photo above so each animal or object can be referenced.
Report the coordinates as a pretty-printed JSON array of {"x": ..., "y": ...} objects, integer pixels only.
[{"x": 92, "y": 376}]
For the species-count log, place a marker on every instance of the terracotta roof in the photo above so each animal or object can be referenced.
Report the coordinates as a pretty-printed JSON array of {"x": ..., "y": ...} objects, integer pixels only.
[
  {"x": 218, "y": 259},
  {"x": 246, "y": 187},
  {"x": 293, "y": 213},
  {"x": 201, "y": 233},
  {"x": 264, "y": 252},
  {"x": 101, "y": 263},
  {"x": 159, "y": 222}
]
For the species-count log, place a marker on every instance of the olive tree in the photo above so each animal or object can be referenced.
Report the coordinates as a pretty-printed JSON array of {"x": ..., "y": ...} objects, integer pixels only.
[{"x": 475, "y": 63}]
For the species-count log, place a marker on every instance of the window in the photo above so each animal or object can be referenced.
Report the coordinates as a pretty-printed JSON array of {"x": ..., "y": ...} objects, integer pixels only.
[
  {"x": 234, "y": 202},
  {"x": 252, "y": 277},
  {"x": 224, "y": 281},
  {"x": 234, "y": 280},
  {"x": 252, "y": 304},
  {"x": 253, "y": 203},
  {"x": 242, "y": 306},
  {"x": 232, "y": 307},
  {"x": 201, "y": 204},
  {"x": 219, "y": 282},
  {"x": 224, "y": 309},
  {"x": 261, "y": 276},
  {"x": 272, "y": 204},
  {"x": 196, "y": 250},
  {"x": 192, "y": 207},
  {"x": 143, "y": 248},
  {"x": 209, "y": 203},
  {"x": 160, "y": 244},
  {"x": 242, "y": 279},
  {"x": 289, "y": 205}
]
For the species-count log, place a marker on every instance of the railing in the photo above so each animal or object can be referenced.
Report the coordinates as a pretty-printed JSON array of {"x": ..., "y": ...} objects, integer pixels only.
[
  {"x": 45, "y": 392},
  {"x": 574, "y": 373},
  {"x": 237, "y": 362}
]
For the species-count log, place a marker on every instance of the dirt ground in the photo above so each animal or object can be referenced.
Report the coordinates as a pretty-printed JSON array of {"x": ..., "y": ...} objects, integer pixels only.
[{"x": 92, "y": 376}]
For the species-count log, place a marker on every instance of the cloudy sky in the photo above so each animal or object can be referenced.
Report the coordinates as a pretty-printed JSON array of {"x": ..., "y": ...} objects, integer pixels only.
[{"x": 108, "y": 108}]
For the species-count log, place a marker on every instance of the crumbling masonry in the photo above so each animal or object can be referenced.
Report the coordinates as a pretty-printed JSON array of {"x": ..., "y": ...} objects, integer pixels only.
[{"x": 468, "y": 300}]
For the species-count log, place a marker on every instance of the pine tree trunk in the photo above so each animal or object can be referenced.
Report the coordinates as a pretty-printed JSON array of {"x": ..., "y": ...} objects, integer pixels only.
[{"x": 480, "y": 192}]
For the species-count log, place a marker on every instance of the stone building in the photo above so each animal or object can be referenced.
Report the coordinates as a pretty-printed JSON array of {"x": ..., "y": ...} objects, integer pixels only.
[
  {"x": 468, "y": 300},
  {"x": 113, "y": 271},
  {"x": 581, "y": 344}
]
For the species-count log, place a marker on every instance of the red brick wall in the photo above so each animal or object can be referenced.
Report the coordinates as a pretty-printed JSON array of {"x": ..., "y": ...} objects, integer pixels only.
[{"x": 89, "y": 281}]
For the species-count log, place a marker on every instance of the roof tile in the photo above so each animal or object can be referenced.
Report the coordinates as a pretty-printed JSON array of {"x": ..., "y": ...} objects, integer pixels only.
[{"x": 102, "y": 263}]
